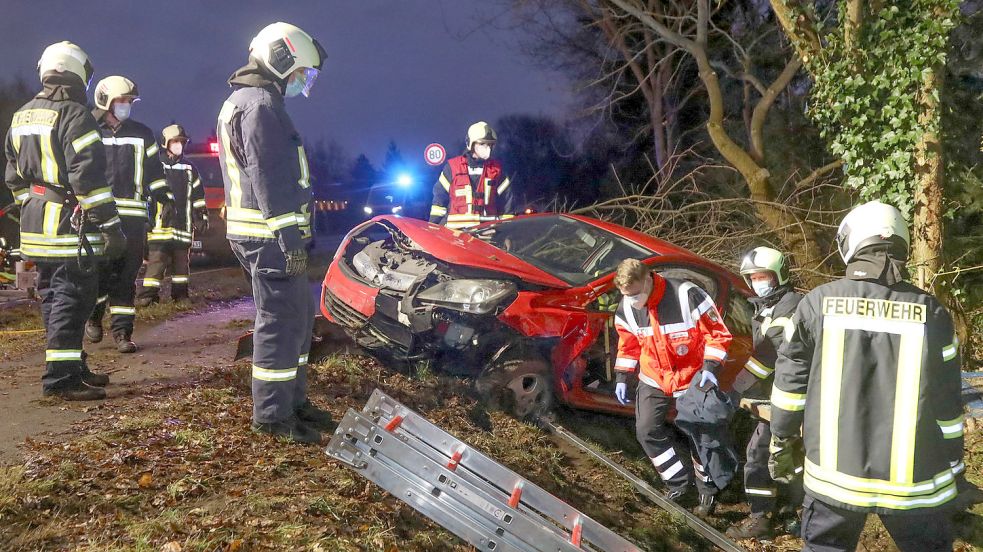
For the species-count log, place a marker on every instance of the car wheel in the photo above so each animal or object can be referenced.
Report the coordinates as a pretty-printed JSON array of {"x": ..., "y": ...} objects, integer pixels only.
[{"x": 521, "y": 387}]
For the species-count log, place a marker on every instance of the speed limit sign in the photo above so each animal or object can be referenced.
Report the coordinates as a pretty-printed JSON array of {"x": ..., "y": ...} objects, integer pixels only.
[{"x": 434, "y": 154}]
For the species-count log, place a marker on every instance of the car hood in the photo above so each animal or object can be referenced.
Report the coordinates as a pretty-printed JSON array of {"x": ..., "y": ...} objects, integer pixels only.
[{"x": 460, "y": 248}]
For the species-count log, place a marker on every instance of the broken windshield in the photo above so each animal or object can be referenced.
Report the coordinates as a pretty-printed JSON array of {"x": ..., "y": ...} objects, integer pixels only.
[{"x": 574, "y": 251}]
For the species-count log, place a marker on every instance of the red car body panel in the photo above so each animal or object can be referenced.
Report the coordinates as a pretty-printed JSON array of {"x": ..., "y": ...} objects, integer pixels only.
[{"x": 559, "y": 313}]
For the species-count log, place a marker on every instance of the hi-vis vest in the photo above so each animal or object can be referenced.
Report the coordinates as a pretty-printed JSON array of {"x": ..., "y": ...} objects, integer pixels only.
[
  {"x": 467, "y": 205},
  {"x": 133, "y": 168},
  {"x": 684, "y": 329},
  {"x": 183, "y": 180},
  {"x": 872, "y": 375},
  {"x": 55, "y": 161},
  {"x": 264, "y": 166}
]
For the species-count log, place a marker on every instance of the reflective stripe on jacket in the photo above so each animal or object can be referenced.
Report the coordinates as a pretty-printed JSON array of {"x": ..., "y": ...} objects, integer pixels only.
[
  {"x": 459, "y": 203},
  {"x": 133, "y": 169},
  {"x": 189, "y": 202},
  {"x": 872, "y": 376},
  {"x": 684, "y": 329},
  {"x": 264, "y": 166}
]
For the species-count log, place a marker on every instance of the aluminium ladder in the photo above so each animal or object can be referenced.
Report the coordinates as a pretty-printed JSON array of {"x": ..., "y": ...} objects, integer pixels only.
[{"x": 465, "y": 491}]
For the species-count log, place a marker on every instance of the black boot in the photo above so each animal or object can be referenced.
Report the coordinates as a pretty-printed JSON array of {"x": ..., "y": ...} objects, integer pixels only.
[
  {"x": 292, "y": 429},
  {"x": 312, "y": 415},
  {"x": 82, "y": 392},
  {"x": 91, "y": 378},
  {"x": 754, "y": 527},
  {"x": 707, "y": 505},
  {"x": 124, "y": 344},
  {"x": 93, "y": 331}
]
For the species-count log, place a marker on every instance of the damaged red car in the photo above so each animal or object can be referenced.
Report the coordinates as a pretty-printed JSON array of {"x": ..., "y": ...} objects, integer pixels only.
[{"x": 524, "y": 306}]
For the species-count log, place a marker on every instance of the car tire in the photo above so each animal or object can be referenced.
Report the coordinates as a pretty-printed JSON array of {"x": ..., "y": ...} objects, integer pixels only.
[{"x": 522, "y": 387}]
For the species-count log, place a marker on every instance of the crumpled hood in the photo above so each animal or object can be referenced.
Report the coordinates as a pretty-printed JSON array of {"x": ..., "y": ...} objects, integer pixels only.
[{"x": 460, "y": 248}]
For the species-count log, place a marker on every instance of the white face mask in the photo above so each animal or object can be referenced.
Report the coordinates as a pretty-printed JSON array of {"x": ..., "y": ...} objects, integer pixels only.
[
  {"x": 122, "y": 111},
  {"x": 177, "y": 148},
  {"x": 482, "y": 151},
  {"x": 763, "y": 288}
]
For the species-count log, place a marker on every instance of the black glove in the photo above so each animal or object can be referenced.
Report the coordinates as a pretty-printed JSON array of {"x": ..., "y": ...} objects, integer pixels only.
[
  {"x": 200, "y": 224},
  {"x": 115, "y": 242},
  {"x": 786, "y": 459},
  {"x": 296, "y": 262},
  {"x": 166, "y": 214}
]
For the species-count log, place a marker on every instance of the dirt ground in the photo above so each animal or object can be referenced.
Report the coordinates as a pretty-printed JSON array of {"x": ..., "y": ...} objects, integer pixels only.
[{"x": 167, "y": 462}]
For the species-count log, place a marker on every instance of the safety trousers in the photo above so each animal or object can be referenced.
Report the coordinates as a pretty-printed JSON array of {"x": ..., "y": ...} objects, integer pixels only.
[
  {"x": 826, "y": 528},
  {"x": 68, "y": 295},
  {"x": 117, "y": 280},
  {"x": 166, "y": 259},
  {"x": 281, "y": 333},
  {"x": 763, "y": 493},
  {"x": 673, "y": 454}
]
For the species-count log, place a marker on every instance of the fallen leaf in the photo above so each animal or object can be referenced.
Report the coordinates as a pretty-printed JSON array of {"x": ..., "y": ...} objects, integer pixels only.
[
  {"x": 173, "y": 546},
  {"x": 234, "y": 546},
  {"x": 146, "y": 480}
]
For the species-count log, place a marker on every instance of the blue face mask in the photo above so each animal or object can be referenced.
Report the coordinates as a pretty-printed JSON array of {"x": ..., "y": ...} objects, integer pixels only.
[
  {"x": 295, "y": 87},
  {"x": 763, "y": 289},
  {"x": 121, "y": 111}
]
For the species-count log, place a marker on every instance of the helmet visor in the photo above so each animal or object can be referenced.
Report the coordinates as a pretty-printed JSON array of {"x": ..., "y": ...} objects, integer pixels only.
[{"x": 309, "y": 76}]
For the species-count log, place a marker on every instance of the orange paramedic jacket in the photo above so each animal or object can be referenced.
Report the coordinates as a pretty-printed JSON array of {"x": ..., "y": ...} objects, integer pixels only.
[{"x": 684, "y": 330}]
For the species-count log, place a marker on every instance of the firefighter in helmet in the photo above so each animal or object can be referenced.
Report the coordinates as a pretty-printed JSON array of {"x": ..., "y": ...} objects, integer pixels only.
[
  {"x": 268, "y": 216},
  {"x": 134, "y": 171},
  {"x": 871, "y": 375},
  {"x": 56, "y": 169},
  {"x": 169, "y": 243},
  {"x": 472, "y": 188}
]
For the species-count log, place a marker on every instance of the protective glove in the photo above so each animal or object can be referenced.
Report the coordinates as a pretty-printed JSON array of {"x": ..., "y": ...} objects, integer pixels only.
[
  {"x": 115, "y": 242},
  {"x": 621, "y": 393},
  {"x": 166, "y": 214},
  {"x": 200, "y": 224},
  {"x": 707, "y": 380},
  {"x": 296, "y": 262},
  {"x": 786, "y": 459}
]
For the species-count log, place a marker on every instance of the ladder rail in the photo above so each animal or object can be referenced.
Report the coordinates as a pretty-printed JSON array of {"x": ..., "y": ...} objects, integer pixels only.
[{"x": 534, "y": 496}]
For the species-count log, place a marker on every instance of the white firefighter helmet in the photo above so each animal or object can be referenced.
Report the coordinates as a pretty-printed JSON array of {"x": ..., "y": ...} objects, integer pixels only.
[
  {"x": 765, "y": 259},
  {"x": 173, "y": 132},
  {"x": 872, "y": 223},
  {"x": 481, "y": 132},
  {"x": 283, "y": 48},
  {"x": 111, "y": 88},
  {"x": 66, "y": 57}
]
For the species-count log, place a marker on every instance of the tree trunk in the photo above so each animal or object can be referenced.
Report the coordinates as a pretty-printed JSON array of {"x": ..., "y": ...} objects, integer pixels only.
[{"x": 927, "y": 240}]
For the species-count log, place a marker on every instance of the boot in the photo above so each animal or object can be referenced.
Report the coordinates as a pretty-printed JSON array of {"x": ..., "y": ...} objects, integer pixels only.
[
  {"x": 124, "y": 344},
  {"x": 312, "y": 415},
  {"x": 91, "y": 378},
  {"x": 145, "y": 301},
  {"x": 93, "y": 331},
  {"x": 292, "y": 429},
  {"x": 82, "y": 392},
  {"x": 754, "y": 527},
  {"x": 707, "y": 505}
]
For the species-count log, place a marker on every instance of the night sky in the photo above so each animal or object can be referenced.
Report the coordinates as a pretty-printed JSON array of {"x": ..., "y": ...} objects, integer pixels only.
[{"x": 416, "y": 71}]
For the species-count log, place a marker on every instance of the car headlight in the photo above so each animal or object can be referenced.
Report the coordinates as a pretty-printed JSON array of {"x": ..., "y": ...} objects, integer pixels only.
[
  {"x": 473, "y": 296},
  {"x": 367, "y": 209}
]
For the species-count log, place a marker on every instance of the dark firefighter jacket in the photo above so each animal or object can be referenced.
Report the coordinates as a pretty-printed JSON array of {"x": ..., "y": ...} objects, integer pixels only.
[
  {"x": 55, "y": 162},
  {"x": 189, "y": 202},
  {"x": 771, "y": 327},
  {"x": 264, "y": 166},
  {"x": 133, "y": 168},
  {"x": 873, "y": 371}
]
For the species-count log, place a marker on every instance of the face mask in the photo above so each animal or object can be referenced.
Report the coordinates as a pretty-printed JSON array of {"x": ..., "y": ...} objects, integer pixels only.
[
  {"x": 295, "y": 86},
  {"x": 638, "y": 300},
  {"x": 763, "y": 289},
  {"x": 122, "y": 111},
  {"x": 482, "y": 151},
  {"x": 177, "y": 148}
]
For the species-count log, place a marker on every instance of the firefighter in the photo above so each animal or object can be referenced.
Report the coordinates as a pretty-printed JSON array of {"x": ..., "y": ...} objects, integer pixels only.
[
  {"x": 56, "y": 170},
  {"x": 472, "y": 187},
  {"x": 871, "y": 374},
  {"x": 268, "y": 217},
  {"x": 766, "y": 272},
  {"x": 670, "y": 332},
  {"x": 169, "y": 245},
  {"x": 134, "y": 171}
]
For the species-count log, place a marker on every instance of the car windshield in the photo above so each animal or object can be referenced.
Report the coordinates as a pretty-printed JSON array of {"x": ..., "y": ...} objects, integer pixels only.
[{"x": 574, "y": 251}]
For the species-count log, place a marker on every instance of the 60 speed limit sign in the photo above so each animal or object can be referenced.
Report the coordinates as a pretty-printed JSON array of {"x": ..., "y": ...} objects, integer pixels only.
[{"x": 434, "y": 154}]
